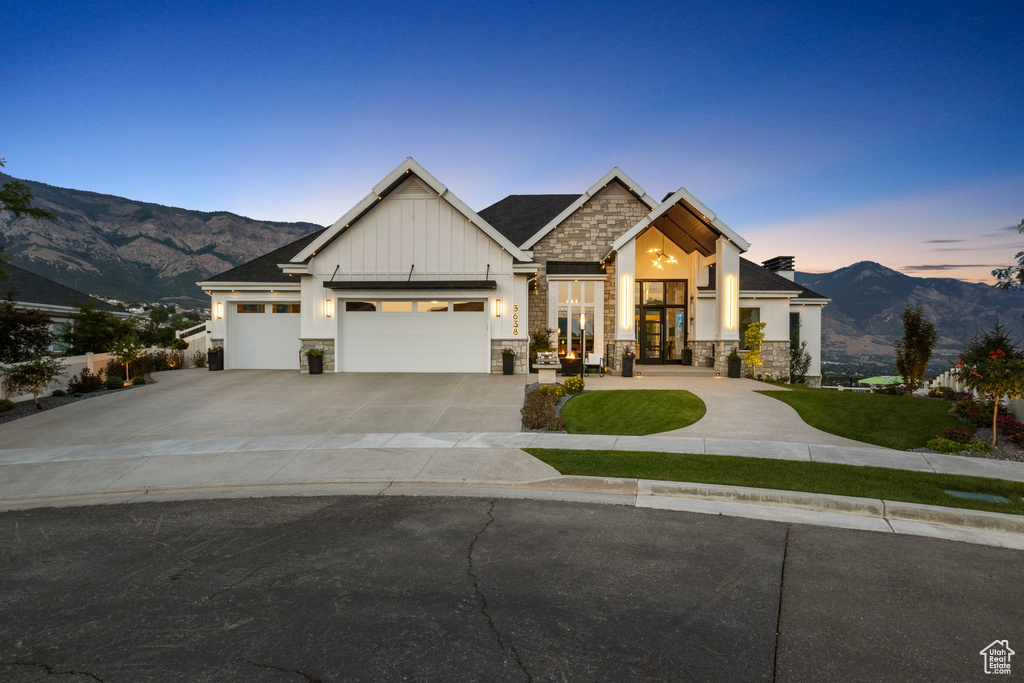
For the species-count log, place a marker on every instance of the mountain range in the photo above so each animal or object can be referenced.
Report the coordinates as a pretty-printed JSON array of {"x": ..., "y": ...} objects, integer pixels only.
[
  {"x": 137, "y": 251},
  {"x": 134, "y": 251},
  {"x": 861, "y": 324}
]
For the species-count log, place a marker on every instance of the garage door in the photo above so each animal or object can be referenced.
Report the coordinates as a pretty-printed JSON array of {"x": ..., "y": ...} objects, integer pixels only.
[
  {"x": 413, "y": 336},
  {"x": 263, "y": 336}
]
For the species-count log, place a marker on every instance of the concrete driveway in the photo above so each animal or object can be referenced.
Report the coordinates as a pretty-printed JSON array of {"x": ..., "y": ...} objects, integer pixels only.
[{"x": 201, "y": 404}]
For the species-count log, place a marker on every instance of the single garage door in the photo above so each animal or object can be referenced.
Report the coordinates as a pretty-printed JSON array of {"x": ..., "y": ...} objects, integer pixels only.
[
  {"x": 263, "y": 336},
  {"x": 413, "y": 336}
]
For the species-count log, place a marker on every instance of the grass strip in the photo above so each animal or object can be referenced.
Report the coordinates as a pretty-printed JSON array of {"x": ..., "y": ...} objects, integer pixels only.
[
  {"x": 631, "y": 412},
  {"x": 788, "y": 475},
  {"x": 899, "y": 422}
]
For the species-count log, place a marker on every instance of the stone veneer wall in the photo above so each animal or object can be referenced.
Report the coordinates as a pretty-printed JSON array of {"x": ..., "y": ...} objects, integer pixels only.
[
  {"x": 325, "y": 345},
  {"x": 775, "y": 359},
  {"x": 586, "y": 235},
  {"x": 814, "y": 381},
  {"x": 522, "y": 348}
]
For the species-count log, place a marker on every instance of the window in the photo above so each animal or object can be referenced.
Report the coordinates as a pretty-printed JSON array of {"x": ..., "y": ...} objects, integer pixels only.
[
  {"x": 396, "y": 306},
  {"x": 794, "y": 330},
  {"x": 251, "y": 308},
  {"x": 570, "y": 299},
  {"x": 468, "y": 306},
  {"x": 284, "y": 308},
  {"x": 747, "y": 316},
  {"x": 432, "y": 306},
  {"x": 360, "y": 306}
]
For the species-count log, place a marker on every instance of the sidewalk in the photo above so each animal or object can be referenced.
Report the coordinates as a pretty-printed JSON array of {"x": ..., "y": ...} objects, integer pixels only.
[{"x": 483, "y": 457}]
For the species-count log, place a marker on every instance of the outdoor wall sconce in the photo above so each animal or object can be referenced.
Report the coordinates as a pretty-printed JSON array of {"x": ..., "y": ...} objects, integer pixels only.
[
  {"x": 497, "y": 308},
  {"x": 731, "y": 301},
  {"x": 328, "y": 308},
  {"x": 219, "y": 307}
]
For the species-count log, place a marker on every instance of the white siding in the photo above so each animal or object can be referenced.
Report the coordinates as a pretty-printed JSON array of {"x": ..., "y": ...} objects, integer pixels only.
[
  {"x": 775, "y": 315},
  {"x": 810, "y": 331}
]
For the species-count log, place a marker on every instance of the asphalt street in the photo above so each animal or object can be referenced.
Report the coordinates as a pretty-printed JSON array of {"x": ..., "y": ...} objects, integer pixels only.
[{"x": 405, "y": 588}]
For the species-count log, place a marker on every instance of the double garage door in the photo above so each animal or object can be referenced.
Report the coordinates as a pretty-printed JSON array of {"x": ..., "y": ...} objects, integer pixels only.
[
  {"x": 263, "y": 336},
  {"x": 413, "y": 336}
]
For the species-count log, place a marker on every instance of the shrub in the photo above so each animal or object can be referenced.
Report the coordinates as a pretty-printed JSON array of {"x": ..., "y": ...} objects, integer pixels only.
[
  {"x": 315, "y": 353},
  {"x": 958, "y": 434},
  {"x": 556, "y": 390},
  {"x": 58, "y": 393},
  {"x": 539, "y": 412},
  {"x": 114, "y": 383},
  {"x": 889, "y": 389},
  {"x": 975, "y": 412},
  {"x": 574, "y": 385},
  {"x": 6, "y": 404},
  {"x": 199, "y": 359},
  {"x": 945, "y": 393},
  {"x": 948, "y": 446},
  {"x": 86, "y": 382},
  {"x": 78, "y": 394},
  {"x": 179, "y": 344},
  {"x": 138, "y": 380},
  {"x": 34, "y": 376}
]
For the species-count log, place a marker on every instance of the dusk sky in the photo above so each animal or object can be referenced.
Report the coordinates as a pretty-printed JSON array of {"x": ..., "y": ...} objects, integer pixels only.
[{"x": 834, "y": 132}]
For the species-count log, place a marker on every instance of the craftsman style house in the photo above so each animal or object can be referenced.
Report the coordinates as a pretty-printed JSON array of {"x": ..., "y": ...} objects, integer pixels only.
[{"x": 413, "y": 280}]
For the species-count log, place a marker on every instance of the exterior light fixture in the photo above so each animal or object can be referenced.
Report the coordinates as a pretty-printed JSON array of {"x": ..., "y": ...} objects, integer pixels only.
[
  {"x": 219, "y": 309},
  {"x": 497, "y": 308},
  {"x": 731, "y": 301},
  {"x": 328, "y": 308}
]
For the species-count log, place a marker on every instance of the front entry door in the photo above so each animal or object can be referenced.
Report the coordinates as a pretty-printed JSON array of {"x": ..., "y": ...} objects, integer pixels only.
[{"x": 652, "y": 332}]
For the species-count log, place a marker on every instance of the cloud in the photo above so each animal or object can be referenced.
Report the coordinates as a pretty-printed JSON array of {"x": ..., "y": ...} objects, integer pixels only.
[
  {"x": 945, "y": 266},
  {"x": 942, "y": 241}
]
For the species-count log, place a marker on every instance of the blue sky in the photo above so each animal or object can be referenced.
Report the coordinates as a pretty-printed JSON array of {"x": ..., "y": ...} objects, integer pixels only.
[{"x": 835, "y": 132}]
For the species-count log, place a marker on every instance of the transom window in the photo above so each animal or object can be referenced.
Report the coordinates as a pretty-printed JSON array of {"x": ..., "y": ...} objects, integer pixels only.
[
  {"x": 252, "y": 308},
  {"x": 432, "y": 306},
  {"x": 284, "y": 308}
]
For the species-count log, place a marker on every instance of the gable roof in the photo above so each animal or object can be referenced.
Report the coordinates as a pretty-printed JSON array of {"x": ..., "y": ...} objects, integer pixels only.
[
  {"x": 382, "y": 189},
  {"x": 755, "y": 278},
  {"x": 265, "y": 268},
  {"x": 519, "y": 216},
  {"x": 693, "y": 207},
  {"x": 28, "y": 288},
  {"x": 614, "y": 175}
]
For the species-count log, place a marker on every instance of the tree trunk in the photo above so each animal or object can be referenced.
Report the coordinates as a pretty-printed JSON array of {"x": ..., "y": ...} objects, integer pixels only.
[{"x": 995, "y": 418}]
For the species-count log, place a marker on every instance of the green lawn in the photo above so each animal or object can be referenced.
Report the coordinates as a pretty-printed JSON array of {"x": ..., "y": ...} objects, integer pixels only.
[
  {"x": 787, "y": 475},
  {"x": 634, "y": 412},
  {"x": 899, "y": 422}
]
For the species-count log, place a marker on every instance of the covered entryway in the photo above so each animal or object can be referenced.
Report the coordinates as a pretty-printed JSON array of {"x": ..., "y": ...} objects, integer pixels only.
[
  {"x": 262, "y": 336},
  {"x": 413, "y": 336}
]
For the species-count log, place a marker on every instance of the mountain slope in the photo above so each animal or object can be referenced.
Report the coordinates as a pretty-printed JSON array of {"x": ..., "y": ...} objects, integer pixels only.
[
  {"x": 863, "y": 320},
  {"x": 135, "y": 251}
]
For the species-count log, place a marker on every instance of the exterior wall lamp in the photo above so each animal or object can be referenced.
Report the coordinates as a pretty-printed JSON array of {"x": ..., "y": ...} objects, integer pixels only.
[
  {"x": 328, "y": 308},
  {"x": 731, "y": 301},
  {"x": 219, "y": 309},
  {"x": 497, "y": 308}
]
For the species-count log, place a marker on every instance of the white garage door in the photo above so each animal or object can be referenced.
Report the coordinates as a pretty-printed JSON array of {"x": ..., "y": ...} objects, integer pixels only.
[
  {"x": 263, "y": 336},
  {"x": 413, "y": 336}
]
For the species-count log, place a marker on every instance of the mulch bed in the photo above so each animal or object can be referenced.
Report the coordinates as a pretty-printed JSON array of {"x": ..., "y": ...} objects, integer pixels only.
[{"x": 26, "y": 408}]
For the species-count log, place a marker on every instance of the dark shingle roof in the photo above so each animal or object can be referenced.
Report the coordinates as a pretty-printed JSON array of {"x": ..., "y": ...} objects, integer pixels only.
[
  {"x": 27, "y": 287},
  {"x": 755, "y": 278},
  {"x": 264, "y": 268},
  {"x": 519, "y": 216}
]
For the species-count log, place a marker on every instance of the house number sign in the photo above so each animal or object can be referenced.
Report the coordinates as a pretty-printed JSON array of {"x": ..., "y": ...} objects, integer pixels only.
[{"x": 515, "y": 319}]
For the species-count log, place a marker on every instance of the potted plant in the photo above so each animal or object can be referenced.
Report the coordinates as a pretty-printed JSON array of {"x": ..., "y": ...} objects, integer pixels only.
[
  {"x": 735, "y": 362},
  {"x": 508, "y": 361},
  {"x": 215, "y": 358},
  {"x": 687, "y": 356},
  {"x": 628, "y": 356},
  {"x": 316, "y": 361}
]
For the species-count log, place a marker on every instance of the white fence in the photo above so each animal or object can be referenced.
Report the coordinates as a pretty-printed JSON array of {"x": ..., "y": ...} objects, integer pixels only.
[
  {"x": 75, "y": 364},
  {"x": 198, "y": 339}
]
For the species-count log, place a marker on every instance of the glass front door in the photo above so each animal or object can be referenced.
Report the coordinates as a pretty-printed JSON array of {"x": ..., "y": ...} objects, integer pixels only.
[
  {"x": 661, "y": 321},
  {"x": 652, "y": 343}
]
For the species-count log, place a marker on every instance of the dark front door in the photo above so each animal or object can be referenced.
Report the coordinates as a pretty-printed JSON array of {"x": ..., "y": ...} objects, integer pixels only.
[
  {"x": 661, "y": 321},
  {"x": 652, "y": 336}
]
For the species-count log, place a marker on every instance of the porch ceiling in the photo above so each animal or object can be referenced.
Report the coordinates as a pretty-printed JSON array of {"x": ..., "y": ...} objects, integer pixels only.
[{"x": 688, "y": 231}]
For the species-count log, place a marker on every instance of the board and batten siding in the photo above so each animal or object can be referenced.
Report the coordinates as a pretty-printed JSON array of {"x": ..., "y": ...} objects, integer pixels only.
[{"x": 410, "y": 229}]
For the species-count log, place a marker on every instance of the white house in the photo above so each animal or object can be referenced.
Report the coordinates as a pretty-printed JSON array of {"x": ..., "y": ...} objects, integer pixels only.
[{"x": 413, "y": 280}]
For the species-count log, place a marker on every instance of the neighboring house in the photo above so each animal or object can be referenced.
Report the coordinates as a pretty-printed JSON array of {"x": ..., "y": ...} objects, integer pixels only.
[
  {"x": 35, "y": 292},
  {"x": 411, "y": 279}
]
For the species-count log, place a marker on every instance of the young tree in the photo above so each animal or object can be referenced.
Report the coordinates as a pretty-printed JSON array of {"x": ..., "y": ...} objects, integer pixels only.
[
  {"x": 1013, "y": 276},
  {"x": 996, "y": 338},
  {"x": 23, "y": 334},
  {"x": 914, "y": 350},
  {"x": 754, "y": 340},
  {"x": 127, "y": 348},
  {"x": 999, "y": 376},
  {"x": 33, "y": 376},
  {"x": 91, "y": 330},
  {"x": 799, "y": 357}
]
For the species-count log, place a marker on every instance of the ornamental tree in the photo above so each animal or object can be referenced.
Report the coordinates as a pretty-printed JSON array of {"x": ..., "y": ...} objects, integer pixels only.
[
  {"x": 753, "y": 338},
  {"x": 998, "y": 376},
  {"x": 127, "y": 348},
  {"x": 34, "y": 376},
  {"x": 914, "y": 350}
]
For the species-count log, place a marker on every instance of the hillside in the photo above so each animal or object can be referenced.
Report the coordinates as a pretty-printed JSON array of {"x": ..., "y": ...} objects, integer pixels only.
[
  {"x": 863, "y": 320},
  {"x": 135, "y": 251}
]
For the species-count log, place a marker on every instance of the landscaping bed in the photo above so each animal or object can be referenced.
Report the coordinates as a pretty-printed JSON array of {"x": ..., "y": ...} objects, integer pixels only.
[
  {"x": 26, "y": 408},
  {"x": 813, "y": 477}
]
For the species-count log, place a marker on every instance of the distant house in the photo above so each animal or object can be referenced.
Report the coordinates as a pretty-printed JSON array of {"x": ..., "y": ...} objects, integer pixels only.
[
  {"x": 37, "y": 293},
  {"x": 412, "y": 279}
]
